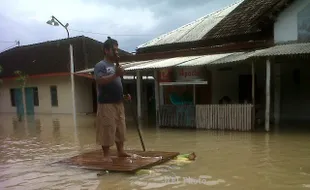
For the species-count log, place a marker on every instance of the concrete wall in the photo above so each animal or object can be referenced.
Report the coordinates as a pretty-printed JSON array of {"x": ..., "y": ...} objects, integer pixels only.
[
  {"x": 294, "y": 97},
  {"x": 83, "y": 95},
  {"x": 225, "y": 82},
  {"x": 286, "y": 25}
]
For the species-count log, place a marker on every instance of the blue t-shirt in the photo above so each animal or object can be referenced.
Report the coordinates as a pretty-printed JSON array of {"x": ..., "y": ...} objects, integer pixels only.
[{"x": 111, "y": 92}]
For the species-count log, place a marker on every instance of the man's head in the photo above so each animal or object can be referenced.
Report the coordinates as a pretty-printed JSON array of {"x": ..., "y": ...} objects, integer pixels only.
[{"x": 110, "y": 49}]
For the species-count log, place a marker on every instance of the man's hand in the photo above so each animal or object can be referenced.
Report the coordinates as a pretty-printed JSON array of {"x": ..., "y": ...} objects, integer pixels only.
[
  {"x": 127, "y": 97},
  {"x": 119, "y": 71}
]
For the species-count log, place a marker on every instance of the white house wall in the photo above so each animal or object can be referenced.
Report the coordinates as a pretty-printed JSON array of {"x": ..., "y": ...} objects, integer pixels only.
[
  {"x": 295, "y": 98},
  {"x": 226, "y": 83},
  {"x": 286, "y": 25},
  {"x": 83, "y": 95}
]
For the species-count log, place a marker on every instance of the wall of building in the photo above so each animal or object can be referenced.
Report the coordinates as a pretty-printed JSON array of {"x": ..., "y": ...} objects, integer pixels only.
[
  {"x": 83, "y": 95},
  {"x": 291, "y": 23},
  {"x": 225, "y": 80},
  {"x": 295, "y": 91}
]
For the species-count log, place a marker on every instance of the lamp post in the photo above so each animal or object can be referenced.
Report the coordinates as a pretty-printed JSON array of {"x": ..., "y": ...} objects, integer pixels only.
[{"x": 55, "y": 22}]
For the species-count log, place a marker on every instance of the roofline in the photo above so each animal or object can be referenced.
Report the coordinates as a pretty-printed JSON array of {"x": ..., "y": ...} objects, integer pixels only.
[
  {"x": 39, "y": 75},
  {"x": 203, "y": 43},
  {"x": 214, "y": 49},
  {"x": 215, "y": 40},
  {"x": 42, "y": 43},
  {"x": 55, "y": 41},
  {"x": 194, "y": 21}
]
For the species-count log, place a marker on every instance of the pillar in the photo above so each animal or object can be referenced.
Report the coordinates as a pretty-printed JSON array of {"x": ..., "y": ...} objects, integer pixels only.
[
  {"x": 277, "y": 93},
  {"x": 253, "y": 97},
  {"x": 267, "y": 111},
  {"x": 156, "y": 95},
  {"x": 139, "y": 105}
]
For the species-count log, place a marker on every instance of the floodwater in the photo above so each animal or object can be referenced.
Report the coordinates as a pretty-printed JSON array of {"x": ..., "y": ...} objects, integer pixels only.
[{"x": 226, "y": 160}]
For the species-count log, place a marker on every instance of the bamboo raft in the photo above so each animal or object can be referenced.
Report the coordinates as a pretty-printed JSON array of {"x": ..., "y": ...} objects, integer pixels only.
[{"x": 93, "y": 160}]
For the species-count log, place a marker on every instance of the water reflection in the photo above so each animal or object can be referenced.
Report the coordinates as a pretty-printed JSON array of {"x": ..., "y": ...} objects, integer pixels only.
[
  {"x": 226, "y": 160},
  {"x": 56, "y": 130},
  {"x": 33, "y": 126},
  {"x": 19, "y": 127}
]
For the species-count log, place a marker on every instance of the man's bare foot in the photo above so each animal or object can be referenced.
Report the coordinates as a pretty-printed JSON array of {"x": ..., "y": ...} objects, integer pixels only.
[
  {"x": 107, "y": 159},
  {"x": 123, "y": 154}
]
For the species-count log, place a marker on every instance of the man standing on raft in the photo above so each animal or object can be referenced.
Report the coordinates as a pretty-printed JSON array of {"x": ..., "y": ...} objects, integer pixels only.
[{"x": 110, "y": 121}]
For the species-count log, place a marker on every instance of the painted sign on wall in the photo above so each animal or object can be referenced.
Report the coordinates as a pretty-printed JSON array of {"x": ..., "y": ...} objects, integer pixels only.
[
  {"x": 165, "y": 75},
  {"x": 303, "y": 18},
  {"x": 189, "y": 74}
]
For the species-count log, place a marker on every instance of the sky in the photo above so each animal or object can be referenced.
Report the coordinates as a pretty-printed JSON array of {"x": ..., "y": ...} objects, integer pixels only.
[{"x": 130, "y": 22}]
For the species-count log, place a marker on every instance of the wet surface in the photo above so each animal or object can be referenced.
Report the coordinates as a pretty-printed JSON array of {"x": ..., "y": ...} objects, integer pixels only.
[{"x": 225, "y": 160}]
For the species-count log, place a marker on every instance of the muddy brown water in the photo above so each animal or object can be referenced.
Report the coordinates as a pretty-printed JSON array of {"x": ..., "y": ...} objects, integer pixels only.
[{"x": 226, "y": 160}]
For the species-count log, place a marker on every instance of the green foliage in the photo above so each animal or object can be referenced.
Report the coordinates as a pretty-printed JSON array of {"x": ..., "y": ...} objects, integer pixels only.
[{"x": 21, "y": 78}]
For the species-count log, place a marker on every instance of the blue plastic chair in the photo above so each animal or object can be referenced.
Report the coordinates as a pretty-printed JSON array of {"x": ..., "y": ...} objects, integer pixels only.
[{"x": 177, "y": 100}]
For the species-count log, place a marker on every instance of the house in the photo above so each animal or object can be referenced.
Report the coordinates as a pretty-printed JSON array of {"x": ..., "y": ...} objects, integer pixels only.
[
  {"x": 48, "y": 88},
  {"x": 254, "y": 52}
]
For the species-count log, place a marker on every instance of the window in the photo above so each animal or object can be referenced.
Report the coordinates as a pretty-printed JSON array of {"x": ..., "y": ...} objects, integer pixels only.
[
  {"x": 54, "y": 97},
  {"x": 35, "y": 96},
  {"x": 12, "y": 93}
]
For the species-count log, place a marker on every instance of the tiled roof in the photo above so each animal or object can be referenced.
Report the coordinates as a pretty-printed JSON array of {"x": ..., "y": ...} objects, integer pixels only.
[
  {"x": 52, "y": 56},
  {"x": 248, "y": 17},
  {"x": 242, "y": 18},
  {"x": 202, "y": 60},
  {"x": 284, "y": 49},
  {"x": 193, "y": 31}
]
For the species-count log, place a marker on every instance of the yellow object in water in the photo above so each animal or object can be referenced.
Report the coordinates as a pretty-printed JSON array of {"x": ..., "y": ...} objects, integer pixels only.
[
  {"x": 189, "y": 157},
  {"x": 144, "y": 171},
  {"x": 179, "y": 161}
]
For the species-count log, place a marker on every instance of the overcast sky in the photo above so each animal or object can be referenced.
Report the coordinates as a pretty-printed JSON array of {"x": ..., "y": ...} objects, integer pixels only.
[{"x": 130, "y": 22}]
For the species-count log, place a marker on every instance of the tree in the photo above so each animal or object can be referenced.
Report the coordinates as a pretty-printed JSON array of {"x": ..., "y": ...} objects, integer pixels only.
[{"x": 22, "y": 80}]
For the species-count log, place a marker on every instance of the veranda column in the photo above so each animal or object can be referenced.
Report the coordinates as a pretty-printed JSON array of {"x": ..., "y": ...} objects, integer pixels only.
[
  {"x": 277, "y": 93},
  {"x": 253, "y": 96},
  {"x": 139, "y": 106},
  {"x": 267, "y": 112},
  {"x": 156, "y": 94}
]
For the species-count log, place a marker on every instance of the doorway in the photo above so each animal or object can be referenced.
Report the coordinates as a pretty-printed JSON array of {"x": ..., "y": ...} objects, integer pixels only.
[
  {"x": 245, "y": 88},
  {"x": 94, "y": 94},
  {"x": 29, "y": 97}
]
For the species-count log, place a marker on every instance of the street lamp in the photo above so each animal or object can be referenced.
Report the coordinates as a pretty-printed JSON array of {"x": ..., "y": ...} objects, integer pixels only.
[{"x": 55, "y": 22}]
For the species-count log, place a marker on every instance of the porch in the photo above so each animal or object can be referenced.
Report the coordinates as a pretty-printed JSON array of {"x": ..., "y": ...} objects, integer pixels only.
[{"x": 238, "y": 91}]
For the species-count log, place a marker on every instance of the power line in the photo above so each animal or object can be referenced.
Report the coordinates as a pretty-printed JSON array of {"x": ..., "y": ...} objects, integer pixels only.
[
  {"x": 110, "y": 34},
  {"x": 8, "y": 42}
]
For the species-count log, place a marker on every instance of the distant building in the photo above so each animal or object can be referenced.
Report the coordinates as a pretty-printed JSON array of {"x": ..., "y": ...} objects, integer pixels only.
[{"x": 47, "y": 64}]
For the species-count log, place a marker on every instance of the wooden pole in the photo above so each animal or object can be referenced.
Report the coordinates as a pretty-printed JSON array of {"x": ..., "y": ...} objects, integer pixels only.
[
  {"x": 194, "y": 94},
  {"x": 253, "y": 96},
  {"x": 277, "y": 93},
  {"x": 156, "y": 95},
  {"x": 139, "y": 95},
  {"x": 267, "y": 112}
]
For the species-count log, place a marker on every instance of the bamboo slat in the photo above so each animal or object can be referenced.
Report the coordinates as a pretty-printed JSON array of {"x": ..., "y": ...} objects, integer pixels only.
[
  {"x": 94, "y": 160},
  {"x": 235, "y": 117},
  {"x": 177, "y": 116}
]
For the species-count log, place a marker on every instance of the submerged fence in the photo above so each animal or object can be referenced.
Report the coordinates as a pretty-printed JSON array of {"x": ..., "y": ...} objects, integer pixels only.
[
  {"x": 177, "y": 116},
  {"x": 234, "y": 117}
]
